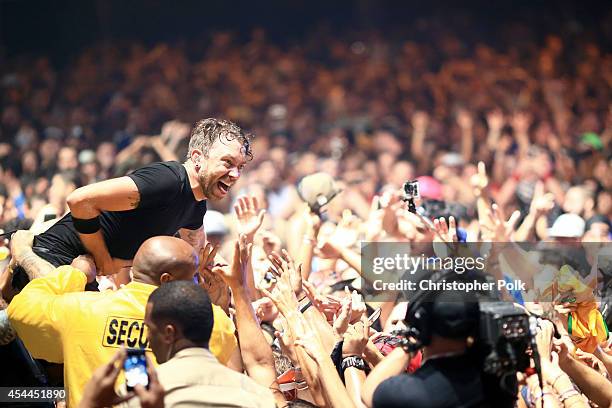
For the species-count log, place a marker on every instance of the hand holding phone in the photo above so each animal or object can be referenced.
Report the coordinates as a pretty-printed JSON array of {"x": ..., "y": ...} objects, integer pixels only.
[{"x": 135, "y": 367}]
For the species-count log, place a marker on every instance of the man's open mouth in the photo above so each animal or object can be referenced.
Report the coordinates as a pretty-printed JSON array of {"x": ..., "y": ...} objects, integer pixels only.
[{"x": 223, "y": 187}]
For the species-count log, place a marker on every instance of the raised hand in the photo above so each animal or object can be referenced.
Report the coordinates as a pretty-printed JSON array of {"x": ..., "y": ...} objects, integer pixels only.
[
  {"x": 282, "y": 295},
  {"x": 327, "y": 305},
  {"x": 234, "y": 276},
  {"x": 445, "y": 232},
  {"x": 464, "y": 120},
  {"x": 249, "y": 215},
  {"x": 356, "y": 338},
  {"x": 480, "y": 180},
  {"x": 420, "y": 120},
  {"x": 209, "y": 277},
  {"x": 495, "y": 120},
  {"x": 541, "y": 203},
  {"x": 341, "y": 321},
  {"x": 358, "y": 307},
  {"x": 207, "y": 259},
  {"x": 286, "y": 264},
  {"x": 496, "y": 228}
]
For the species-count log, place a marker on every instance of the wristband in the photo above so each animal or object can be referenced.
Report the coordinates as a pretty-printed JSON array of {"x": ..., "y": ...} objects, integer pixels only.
[
  {"x": 305, "y": 306},
  {"x": 353, "y": 361},
  {"x": 86, "y": 226}
]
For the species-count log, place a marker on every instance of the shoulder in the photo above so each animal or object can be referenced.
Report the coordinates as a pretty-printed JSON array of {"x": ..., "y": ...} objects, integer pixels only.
[
  {"x": 400, "y": 390},
  {"x": 163, "y": 167}
]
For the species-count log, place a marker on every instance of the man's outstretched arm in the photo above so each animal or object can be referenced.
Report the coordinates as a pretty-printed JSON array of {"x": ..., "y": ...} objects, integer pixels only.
[{"x": 87, "y": 203}]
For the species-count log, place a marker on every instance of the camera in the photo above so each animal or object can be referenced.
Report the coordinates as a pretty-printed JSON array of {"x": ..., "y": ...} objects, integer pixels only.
[
  {"x": 504, "y": 336},
  {"x": 411, "y": 191}
]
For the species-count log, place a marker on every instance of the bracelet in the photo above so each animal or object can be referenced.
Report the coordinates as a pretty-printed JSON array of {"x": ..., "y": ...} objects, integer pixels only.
[
  {"x": 568, "y": 394},
  {"x": 557, "y": 378},
  {"x": 86, "y": 226}
]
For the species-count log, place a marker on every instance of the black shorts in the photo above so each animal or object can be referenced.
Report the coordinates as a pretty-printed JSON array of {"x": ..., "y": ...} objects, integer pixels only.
[{"x": 20, "y": 277}]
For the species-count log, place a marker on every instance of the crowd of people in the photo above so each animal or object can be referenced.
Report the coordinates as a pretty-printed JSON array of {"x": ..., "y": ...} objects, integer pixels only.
[{"x": 507, "y": 145}]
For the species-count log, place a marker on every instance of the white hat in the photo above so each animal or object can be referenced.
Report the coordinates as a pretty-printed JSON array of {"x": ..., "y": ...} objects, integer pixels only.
[
  {"x": 214, "y": 223},
  {"x": 567, "y": 226}
]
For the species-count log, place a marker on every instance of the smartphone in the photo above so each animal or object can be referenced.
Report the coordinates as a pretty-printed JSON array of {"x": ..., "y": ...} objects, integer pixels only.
[
  {"x": 374, "y": 316},
  {"x": 135, "y": 367}
]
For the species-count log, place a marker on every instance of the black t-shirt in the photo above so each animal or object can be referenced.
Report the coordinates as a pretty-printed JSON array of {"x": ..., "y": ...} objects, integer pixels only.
[
  {"x": 166, "y": 204},
  {"x": 439, "y": 383}
]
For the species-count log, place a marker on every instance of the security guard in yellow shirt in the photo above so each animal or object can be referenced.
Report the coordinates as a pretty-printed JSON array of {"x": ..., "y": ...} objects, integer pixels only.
[{"x": 60, "y": 323}]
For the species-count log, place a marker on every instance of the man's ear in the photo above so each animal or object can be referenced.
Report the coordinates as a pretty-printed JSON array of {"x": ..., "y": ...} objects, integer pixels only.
[
  {"x": 165, "y": 278},
  {"x": 196, "y": 156},
  {"x": 169, "y": 333}
]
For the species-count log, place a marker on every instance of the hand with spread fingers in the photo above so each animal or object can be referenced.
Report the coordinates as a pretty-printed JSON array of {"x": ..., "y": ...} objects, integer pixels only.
[
  {"x": 234, "y": 275},
  {"x": 282, "y": 295},
  {"x": 328, "y": 305},
  {"x": 496, "y": 228},
  {"x": 209, "y": 277},
  {"x": 249, "y": 215},
  {"x": 286, "y": 263}
]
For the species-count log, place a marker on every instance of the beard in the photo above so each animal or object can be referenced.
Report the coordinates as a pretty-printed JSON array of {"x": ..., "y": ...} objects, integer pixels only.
[{"x": 210, "y": 187}]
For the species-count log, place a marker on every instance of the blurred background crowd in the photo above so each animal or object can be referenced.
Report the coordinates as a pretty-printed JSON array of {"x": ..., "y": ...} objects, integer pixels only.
[{"x": 372, "y": 107}]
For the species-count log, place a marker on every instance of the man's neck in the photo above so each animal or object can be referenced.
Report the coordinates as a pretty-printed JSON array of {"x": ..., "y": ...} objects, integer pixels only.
[
  {"x": 185, "y": 344},
  {"x": 193, "y": 181},
  {"x": 142, "y": 278}
]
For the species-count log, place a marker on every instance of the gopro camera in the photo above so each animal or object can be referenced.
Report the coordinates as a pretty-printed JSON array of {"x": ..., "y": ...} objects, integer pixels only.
[{"x": 411, "y": 191}]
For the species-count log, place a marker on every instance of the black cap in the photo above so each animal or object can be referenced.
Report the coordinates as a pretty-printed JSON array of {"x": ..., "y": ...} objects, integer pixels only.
[{"x": 455, "y": 315}]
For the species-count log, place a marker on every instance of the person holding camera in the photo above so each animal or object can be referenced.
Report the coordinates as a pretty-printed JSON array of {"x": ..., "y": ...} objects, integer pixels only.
[{"x": 444, "y": 327}]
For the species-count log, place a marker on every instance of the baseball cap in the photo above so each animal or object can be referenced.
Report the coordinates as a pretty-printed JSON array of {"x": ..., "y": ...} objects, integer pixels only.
[
  {"x": 87, "y": 156},
  {"x": 567, "y": 226},
  {"x": 317, "y": 189},
  {"x": 430, "y": 188},
  {"x": 592, "y": 139},
  {"x": 452, "y": 159},
  {"x": 214, "y": 223}
]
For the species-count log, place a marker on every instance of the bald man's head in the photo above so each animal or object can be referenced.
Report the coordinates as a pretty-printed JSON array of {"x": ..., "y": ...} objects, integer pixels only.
[{"x": 161, "y": 259}]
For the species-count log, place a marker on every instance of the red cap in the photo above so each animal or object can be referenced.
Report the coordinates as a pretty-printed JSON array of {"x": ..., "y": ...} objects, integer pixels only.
[{"x": 430, "y": 188}]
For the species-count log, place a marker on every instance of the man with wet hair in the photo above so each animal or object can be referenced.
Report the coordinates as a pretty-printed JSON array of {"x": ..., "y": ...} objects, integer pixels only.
[{"x": 112, "y": 218}]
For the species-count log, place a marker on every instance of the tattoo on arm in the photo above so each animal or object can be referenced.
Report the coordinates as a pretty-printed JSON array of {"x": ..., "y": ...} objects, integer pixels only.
[
  {"x": 194, "y": 237},
  {"x": 135, "y": 201},
  {"x": 34, "y": 266}
]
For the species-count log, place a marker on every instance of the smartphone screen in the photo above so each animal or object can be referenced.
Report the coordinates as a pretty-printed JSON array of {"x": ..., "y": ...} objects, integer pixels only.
[{"x": 135, "y": 366}]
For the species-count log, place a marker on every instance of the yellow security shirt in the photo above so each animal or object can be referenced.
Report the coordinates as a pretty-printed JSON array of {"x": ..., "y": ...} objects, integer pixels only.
[{"x": 60, "y": 323}]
